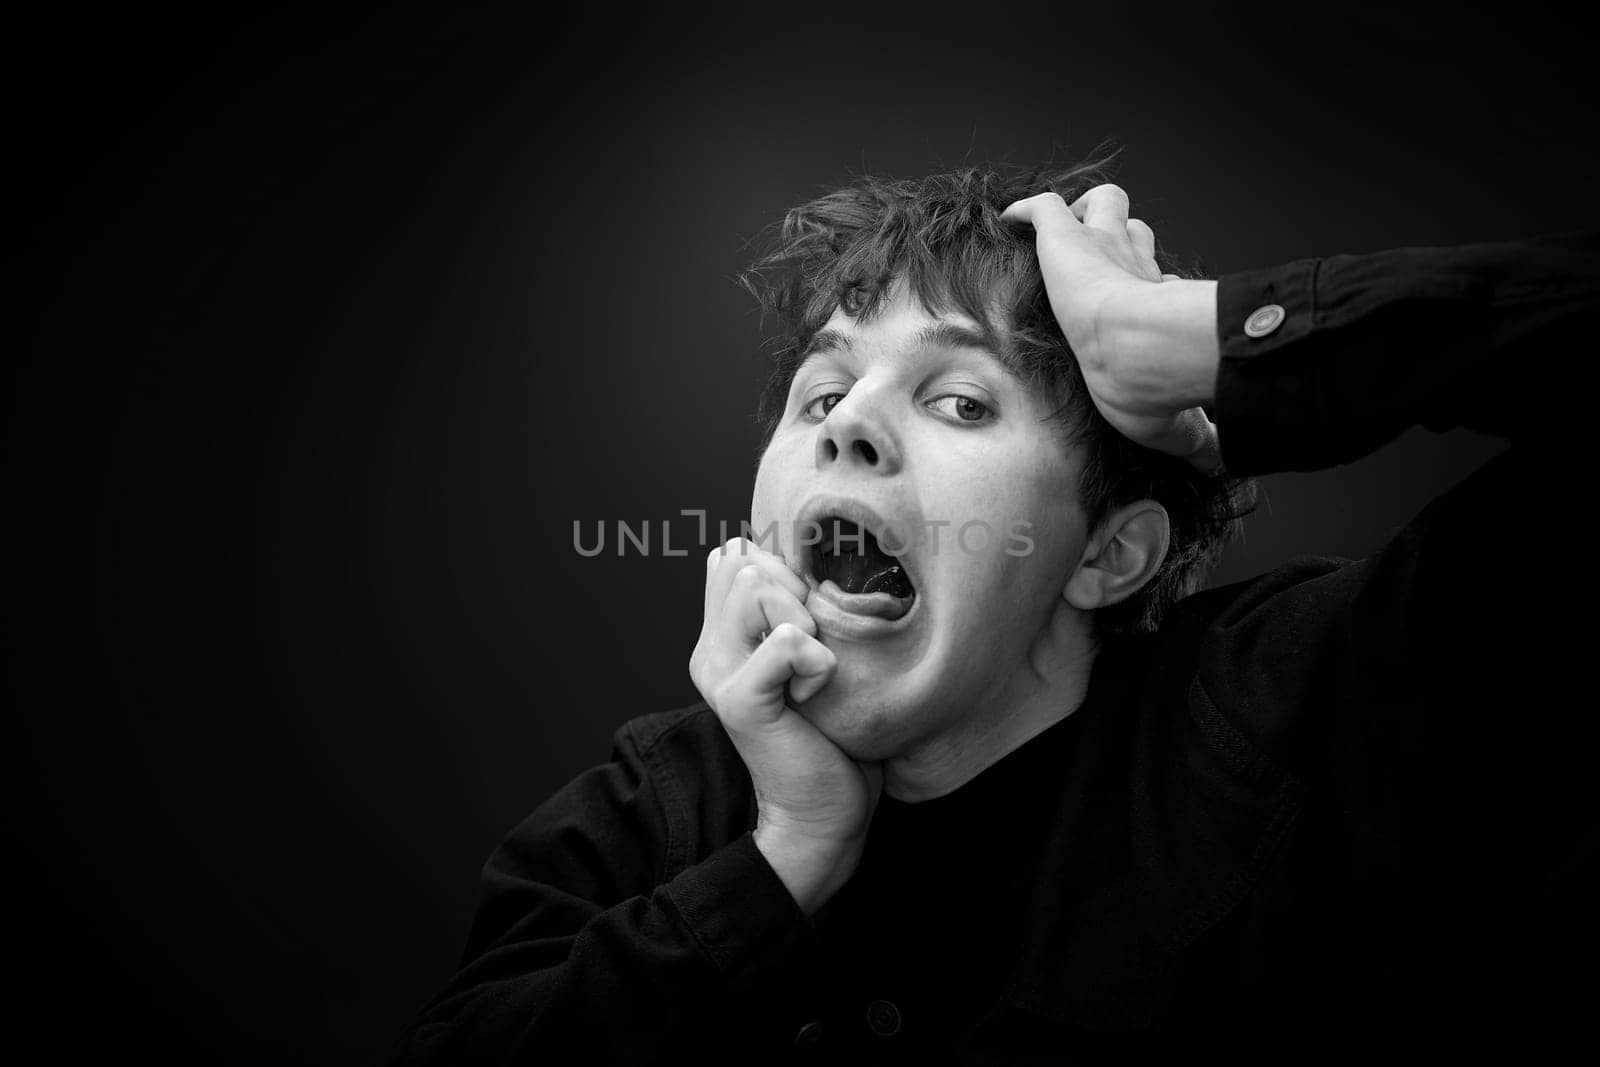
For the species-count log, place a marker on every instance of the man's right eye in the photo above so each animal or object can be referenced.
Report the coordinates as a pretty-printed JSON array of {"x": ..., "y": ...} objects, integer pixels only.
[{"x": 818, "y": 407}]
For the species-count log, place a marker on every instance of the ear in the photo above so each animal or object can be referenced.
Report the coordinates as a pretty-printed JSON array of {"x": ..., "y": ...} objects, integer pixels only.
[{"x": 1123, "y": 553}]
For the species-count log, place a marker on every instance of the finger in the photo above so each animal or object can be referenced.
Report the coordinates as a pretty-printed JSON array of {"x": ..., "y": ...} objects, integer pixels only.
[
  {"x": 1105, "y": 207},
  {"x": 796, "y": 659},
  {"x": 1208, "y": 457},
  {"x": 1194, "y": 437},
  {"x": 1041, "y": 211},
  {"x": 726, "y": 560},
  {"x": 803, "y": 686},
  {"x": 1171, "y": 277},
  {"x": 1143, "y": 238},
  {"x": 756, "y": 606},
  {"x": 755, "y": 692}
]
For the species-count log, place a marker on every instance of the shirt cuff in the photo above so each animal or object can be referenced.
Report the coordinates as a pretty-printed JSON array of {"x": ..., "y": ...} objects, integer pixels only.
[
  {"x": 739, "y": 910},
  {"x": 1266, "y": 400}
]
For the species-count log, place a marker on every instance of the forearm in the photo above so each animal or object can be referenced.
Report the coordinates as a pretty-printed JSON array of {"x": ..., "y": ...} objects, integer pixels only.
[{"x": 1369, "y": 346}]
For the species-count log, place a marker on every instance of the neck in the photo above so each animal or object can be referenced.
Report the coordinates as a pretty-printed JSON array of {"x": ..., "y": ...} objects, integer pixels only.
[{"x": 1049, "y": 685}]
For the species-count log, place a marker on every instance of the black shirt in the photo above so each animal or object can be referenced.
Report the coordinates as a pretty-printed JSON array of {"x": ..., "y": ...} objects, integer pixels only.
[{"x": 907, "y": 966}]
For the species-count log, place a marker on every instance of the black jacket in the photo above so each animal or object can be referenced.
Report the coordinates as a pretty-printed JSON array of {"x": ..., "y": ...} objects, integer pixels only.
[{"x": 1342, "y": 802}]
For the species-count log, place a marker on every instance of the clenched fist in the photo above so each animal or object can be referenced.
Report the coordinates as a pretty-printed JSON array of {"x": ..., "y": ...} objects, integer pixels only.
[{"x": 758, "y": 656}]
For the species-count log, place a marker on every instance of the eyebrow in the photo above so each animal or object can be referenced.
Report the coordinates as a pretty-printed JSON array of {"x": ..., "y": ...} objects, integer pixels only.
[{"x": 939, "y": 335}]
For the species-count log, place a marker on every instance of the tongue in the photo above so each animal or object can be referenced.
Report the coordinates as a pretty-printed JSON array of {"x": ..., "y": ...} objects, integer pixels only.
[{"x": 870, "y": 573}]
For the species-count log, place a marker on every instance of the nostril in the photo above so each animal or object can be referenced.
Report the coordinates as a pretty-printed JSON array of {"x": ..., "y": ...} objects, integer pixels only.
[
  {"x": 868, "y": 453},
  {"x": 830, "y": 449}
]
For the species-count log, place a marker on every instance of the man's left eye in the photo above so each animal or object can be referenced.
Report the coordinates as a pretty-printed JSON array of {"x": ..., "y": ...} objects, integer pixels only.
[{"x": 963, "y": 408}]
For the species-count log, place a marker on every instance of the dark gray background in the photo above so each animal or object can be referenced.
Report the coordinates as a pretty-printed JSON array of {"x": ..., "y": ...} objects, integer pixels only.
[{"x": 331, "y": 329}]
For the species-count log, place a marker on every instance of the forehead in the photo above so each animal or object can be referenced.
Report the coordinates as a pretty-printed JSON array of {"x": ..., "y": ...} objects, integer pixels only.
[{"x": 901, "y": 325}]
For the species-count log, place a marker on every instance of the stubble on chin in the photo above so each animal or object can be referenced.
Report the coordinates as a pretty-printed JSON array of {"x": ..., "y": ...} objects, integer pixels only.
[{"x": 862, "y": 728}]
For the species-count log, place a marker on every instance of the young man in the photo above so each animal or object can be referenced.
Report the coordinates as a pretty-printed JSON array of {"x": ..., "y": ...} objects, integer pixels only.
[{"x": 970, "y": 782}]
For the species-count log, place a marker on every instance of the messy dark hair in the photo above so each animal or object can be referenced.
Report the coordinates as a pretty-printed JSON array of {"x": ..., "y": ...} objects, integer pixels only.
[{"x": 943, "y": 236}]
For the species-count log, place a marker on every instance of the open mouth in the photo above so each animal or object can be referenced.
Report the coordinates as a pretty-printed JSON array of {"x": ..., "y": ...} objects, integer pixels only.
[{"x": 849, "y": 556}]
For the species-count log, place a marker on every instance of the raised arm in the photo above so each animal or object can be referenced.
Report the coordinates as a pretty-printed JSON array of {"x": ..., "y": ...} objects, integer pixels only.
[
  {"x": 1424, "y": 693},
  {"x": 1316, "y": 362},
  {"x": 1324, "y": 360}
]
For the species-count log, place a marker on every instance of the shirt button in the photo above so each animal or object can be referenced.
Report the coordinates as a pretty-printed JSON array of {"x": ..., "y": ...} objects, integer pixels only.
[
  {"x": 1263, "y": 320},
  {"x": 809, "y": 1035},
  {"x": 884, "y": 1018}
]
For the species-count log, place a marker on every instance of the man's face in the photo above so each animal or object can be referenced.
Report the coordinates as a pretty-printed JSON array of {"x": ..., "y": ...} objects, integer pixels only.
[{"x": 908, "y": 427}]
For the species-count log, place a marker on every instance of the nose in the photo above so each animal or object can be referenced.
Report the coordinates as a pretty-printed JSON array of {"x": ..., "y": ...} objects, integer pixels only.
[{"x": 856, "y": 432}]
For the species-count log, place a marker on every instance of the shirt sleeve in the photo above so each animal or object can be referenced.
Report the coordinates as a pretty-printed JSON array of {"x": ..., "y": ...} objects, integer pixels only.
[
  {"x": 584, "y": 939},
  {"x": 1324, "y": 360},
  {"x": 1424, "y": 694}
]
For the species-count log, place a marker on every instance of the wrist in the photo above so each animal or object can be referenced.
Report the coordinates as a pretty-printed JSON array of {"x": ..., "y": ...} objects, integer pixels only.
[
  {"x": 1162, "y": 337},
  {"x": 811, "y": 867}
]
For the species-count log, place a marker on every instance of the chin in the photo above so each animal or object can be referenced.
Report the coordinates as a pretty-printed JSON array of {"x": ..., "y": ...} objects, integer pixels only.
[{"x": 862, "y": 719}]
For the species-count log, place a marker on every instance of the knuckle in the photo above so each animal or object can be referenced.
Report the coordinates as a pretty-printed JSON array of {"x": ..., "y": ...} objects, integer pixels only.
[
  {"x": 788, "y": 636},
  {"x": 733, "y": 546},
  {"x": 750, "y": 575},
  {"x": 727, "y": 695}
]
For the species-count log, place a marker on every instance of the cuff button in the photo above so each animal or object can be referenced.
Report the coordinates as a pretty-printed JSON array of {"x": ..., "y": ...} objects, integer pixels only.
[
  {"x": 1263, "y": 320},
  {"x": 883, "y": 1018}
]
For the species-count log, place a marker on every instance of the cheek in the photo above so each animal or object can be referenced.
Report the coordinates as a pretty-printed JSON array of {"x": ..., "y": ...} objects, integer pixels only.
[
  {"x": 1024, "y": 525},
  {"x": 761, "y": 495},
  {"x": 771, "y": 500},
  {"x": 1007, "y": 490}
]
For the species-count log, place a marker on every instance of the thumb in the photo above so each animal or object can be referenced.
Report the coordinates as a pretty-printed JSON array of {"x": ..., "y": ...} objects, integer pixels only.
[
  {"x": 1044, "y": 211},
  {"x": 1195, "y": 438}
]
